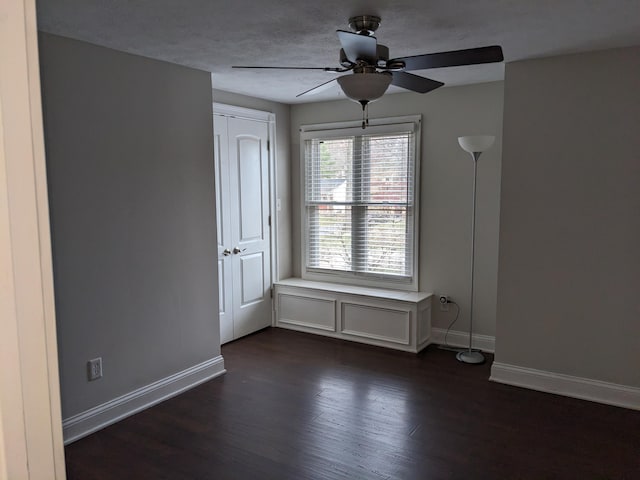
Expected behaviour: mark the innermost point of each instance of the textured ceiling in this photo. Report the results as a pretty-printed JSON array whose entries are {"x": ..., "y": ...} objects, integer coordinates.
[{"x": 212, "y": 35}]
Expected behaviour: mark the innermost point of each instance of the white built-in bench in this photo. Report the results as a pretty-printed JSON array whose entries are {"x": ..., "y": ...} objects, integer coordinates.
[{"x": 388, "y": 318}]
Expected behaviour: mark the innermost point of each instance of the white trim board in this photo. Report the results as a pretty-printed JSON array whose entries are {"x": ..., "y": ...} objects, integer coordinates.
[
  {"x": 456, "y": 338},
  {"x": 568, "y": 385},
  {"x": 242, "y": 112},
  {"x": 96, "y": 418}
]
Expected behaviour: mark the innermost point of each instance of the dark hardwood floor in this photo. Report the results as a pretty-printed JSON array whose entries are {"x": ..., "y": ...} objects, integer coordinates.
[{"x": 298, "y": 406}]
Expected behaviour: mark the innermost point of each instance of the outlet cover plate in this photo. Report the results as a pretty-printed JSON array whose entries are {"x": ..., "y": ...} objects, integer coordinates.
[
  {"x": 94, "y": 369},
  {"x": 444, "y": 307}
]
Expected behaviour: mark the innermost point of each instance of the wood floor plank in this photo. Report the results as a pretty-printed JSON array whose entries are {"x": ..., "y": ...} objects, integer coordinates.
[{"x": 299, "y": 406}]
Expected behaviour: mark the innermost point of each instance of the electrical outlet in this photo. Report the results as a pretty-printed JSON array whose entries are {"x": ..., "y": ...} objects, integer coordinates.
[
  {"x": 94, "y": 369},
  {"x": 444, "y": 303}
]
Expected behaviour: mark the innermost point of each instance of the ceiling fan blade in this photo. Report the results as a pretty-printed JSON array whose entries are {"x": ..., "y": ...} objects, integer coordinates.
[
  {"x": 318, "y": 88},
  {"x": 324, "y": 69},
  {"x": 454, "y": 58},
  {"x": 358, "y": 47},
  {"x": 414, "y": 82}
]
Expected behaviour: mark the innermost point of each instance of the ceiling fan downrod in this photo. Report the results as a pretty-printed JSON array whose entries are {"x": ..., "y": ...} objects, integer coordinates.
[{"x": 364, "y": 24}]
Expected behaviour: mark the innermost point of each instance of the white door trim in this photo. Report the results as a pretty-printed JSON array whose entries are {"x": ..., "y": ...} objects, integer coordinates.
[
  {"x": 242, "y": 112},
  {"x": 226, "y": 110},
  {"x": 30, "y": 417}
]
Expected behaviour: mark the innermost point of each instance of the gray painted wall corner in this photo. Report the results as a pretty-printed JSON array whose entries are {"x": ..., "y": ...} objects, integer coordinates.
[
  {"x": 130, "y": 172},
  {"x": 569, "y": 266}
]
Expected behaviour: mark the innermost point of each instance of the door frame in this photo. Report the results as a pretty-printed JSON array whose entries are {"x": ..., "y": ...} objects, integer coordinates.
[
  {"x": 226, "y": 110},
  {"x": 31, "y": 445}
]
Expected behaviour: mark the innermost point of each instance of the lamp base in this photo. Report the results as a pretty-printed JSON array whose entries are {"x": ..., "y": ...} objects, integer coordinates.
[{"x": 470, "y": 357}]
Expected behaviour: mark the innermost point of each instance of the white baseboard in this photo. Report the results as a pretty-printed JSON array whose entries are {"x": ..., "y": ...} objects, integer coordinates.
[
  {"x": 570, "y": 386},
  {"x": 456, "y": 338},
  {"x": 140, "y": 399}
]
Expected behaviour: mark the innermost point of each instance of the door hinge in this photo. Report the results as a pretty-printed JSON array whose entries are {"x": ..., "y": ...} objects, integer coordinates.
[
  {"x": 268, "y": 145},
  {"x": 271, "y": 292},
  {"x": 269, "y": 220}
]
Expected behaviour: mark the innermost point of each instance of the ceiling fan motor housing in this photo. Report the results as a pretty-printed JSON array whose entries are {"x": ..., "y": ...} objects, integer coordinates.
[{"x": 381, "y": 61}]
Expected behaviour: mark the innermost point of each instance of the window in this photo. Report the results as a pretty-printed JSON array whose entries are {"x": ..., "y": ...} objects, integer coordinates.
[{"x": 360, "y": 203}]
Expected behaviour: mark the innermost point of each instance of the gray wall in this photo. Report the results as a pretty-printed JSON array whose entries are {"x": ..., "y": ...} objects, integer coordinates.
[
  {"x": 130, "y": 166},
  {"x": 283, "y": 167},
  {"x": 446, "y": 186},
  {"x": 569, "y": 274}
]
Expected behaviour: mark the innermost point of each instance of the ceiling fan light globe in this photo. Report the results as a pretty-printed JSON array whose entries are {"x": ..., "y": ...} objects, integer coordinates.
[{"x": 365, "y": 86}]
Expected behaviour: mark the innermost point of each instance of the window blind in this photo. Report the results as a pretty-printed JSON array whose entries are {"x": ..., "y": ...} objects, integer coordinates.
[{"x": 359, "y": 200}]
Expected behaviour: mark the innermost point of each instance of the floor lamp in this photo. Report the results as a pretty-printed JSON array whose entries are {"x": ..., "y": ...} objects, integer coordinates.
[{"x": 475, "y": 145}]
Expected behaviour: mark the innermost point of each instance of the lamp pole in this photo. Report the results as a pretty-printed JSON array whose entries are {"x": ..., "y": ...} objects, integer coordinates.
[
  {"x": 469, "y": 356},
  {"x": 475, "y": 145}
]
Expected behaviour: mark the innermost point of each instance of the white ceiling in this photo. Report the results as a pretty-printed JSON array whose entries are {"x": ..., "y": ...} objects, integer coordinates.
[{"x": 212, "y": 35}]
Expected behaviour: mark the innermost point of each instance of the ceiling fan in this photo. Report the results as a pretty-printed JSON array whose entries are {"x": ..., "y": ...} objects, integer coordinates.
[{"x": 372, "y": 71}]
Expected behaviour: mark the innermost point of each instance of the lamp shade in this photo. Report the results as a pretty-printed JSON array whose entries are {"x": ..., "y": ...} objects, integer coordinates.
[
  {"x": 476, "y": 143},
  {"x": 365, "y": 87}
]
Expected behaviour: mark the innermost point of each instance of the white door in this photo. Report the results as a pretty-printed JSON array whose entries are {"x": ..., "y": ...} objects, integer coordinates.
[{"x": 244, "y": 249}]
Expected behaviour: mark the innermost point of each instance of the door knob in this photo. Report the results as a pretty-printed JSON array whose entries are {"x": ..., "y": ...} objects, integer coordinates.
[
  {"x": 236, "y": 250},
  {"x": 226, "y": 252}
]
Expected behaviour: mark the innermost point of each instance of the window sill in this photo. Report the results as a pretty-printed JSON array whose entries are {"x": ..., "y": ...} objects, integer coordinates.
[{"x": 385, "y": 293}]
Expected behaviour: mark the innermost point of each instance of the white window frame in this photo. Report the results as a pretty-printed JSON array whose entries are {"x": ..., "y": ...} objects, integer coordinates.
[{"x": 379, "y": 125}]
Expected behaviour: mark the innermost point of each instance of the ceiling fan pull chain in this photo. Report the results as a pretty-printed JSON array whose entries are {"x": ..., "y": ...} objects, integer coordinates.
[{"x": 365, "y": 113}]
